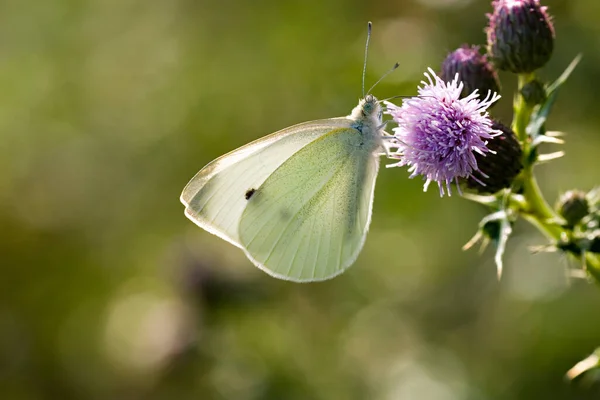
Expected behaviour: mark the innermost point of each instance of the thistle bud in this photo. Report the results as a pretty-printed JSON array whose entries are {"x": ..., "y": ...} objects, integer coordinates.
[
  {"x": 474, "y": 71},
  {"x": 497, "y": 169},
  {"x": 573, "y": 207},
  {"x": 533, "y": 93},
  {"x": 520, "y": 35}
]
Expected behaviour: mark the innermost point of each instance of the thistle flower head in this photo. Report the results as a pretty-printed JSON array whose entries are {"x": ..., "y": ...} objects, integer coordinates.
[
  {"x": 520, "y": 35},
  {"x": 438, "y": 133},
  {"x": 473, "y": 69}
]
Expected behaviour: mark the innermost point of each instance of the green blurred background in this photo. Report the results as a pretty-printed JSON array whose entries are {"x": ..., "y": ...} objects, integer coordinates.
[{"x": 109, "y": 107}]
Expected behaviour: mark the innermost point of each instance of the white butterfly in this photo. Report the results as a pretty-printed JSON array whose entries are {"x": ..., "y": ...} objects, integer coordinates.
[{"x": 297, "y": 202}]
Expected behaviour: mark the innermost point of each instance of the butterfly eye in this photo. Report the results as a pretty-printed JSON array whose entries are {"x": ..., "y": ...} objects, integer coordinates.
[{"x": 370, "y": 105}]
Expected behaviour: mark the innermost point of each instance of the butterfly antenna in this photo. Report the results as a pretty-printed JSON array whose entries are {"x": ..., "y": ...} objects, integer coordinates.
[
  {"x": 399, "y": 96},
  {"x": 403, "y": 96},
  {"x": 369, "y": 27},
  {"x": 383, "y": 76}
]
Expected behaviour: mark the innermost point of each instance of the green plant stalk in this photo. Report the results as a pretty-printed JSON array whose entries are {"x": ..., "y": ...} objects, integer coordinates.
[
  {"x": 536, "y": 209},
  {"x": 522, "y": 112}
]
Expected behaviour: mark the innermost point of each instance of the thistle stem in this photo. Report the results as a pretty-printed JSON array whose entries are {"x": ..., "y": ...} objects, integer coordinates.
[
  {"x": 522, "y": 111},
  {"x": 536, "y": 209}
]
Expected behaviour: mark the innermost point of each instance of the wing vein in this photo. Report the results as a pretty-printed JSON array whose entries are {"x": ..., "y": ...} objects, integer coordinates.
[
  {"x": 318, "y": 250},
  {"x": 309, "y": 243}
]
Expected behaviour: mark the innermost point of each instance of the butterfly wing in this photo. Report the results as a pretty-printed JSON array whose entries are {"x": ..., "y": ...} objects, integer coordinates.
[
  {"x": 309, "y": 219},
  {"x": 216, "y": 197}
]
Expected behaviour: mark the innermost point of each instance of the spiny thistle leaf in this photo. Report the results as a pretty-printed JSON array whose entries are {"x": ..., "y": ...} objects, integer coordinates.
[
  {"x": 540, "y": 114},
  {"x": 495, "y": 227}
]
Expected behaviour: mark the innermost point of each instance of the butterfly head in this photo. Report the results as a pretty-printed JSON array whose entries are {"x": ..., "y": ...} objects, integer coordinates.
[{"x": 368, "y": 108}]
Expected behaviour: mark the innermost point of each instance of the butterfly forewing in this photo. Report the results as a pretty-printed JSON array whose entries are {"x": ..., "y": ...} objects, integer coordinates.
[
  {"x": 309, "y": 219},
  {"x": 216, "y": 197}
]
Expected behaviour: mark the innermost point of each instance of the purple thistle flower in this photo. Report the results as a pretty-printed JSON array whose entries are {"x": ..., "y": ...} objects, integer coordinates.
[{"x": 439, "y": 133}]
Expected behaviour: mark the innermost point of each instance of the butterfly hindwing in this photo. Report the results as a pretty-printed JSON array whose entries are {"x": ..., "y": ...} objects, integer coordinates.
[{"x": 308, "y": 220}]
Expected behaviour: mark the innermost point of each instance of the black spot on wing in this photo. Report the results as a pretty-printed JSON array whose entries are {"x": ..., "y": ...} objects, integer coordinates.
[{"x": 249, "y": 193}]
